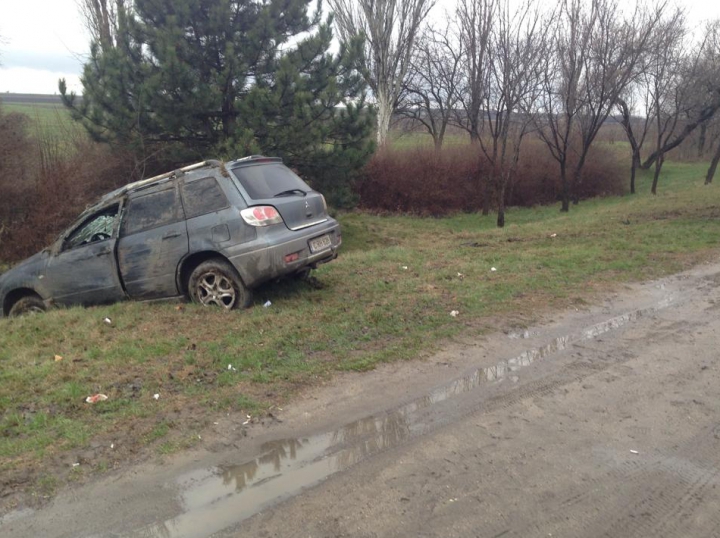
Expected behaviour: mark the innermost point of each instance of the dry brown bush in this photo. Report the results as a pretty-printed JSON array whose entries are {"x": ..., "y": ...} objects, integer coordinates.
[
  {"x": 47, "y": 178},
  {"x": 423, "y": 182}
]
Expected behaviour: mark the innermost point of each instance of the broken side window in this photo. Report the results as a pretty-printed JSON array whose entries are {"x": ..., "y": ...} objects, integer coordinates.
[
  {"x": 98, "y": 227},
  {"x": 203, "y": 196}
]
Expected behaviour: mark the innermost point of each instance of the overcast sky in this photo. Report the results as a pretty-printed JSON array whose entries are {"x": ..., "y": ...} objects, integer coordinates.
[{"x": 44, "y": 40}]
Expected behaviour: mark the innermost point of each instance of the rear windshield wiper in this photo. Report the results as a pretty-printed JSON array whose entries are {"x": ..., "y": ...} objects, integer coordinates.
[{"x": 291, "y": 191}]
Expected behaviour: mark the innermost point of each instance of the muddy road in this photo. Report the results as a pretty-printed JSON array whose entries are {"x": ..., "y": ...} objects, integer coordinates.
[{"x": 603, "y": 422}]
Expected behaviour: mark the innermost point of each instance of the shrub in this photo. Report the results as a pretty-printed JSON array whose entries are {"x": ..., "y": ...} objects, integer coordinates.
[
  {"x": 423, "y": 182},
  {"x": 46, "y": 179}
]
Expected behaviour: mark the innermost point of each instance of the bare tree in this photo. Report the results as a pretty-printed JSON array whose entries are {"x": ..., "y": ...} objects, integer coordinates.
[
  {"x": 711, "y": 62},
  {"x": 101, "y": 18},
  {"x": 617, "y": 47},
  {"x": 389, "y": 29},
  {"x": 669, "y": 75},
  {"x": 517, "y": 48},
  {"x": 701, "y": 91},
  {"x": 638, "y": 134},
  {"x": 597, "y": 51},
  {"x": 560, "y": 101},
  {"x": 666, "y": 42},
  {"x": 475, "y": 23},
  {"x": 430, "y": 93}
]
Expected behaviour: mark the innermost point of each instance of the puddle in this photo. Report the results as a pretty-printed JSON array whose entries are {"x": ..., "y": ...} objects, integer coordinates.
[
  {"x": 524, "y": 335},
  {"x": 218, "y": 498}
]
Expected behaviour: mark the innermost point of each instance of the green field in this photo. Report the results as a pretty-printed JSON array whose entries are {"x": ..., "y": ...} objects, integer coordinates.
[
  {"x": 45, "y": 118},
  {"x": 387, "y": 298}
]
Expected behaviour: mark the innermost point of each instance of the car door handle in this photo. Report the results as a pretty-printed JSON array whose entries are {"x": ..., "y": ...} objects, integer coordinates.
[
  {"x": 171, "y": 235},
  {"x": 103, "y": 253}
]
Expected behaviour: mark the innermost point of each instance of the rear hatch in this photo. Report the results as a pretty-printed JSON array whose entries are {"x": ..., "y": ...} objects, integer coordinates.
[{"x": 273, "y": 183}]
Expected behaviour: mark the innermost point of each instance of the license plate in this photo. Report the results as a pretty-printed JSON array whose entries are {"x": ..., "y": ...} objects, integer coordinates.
[{"x": 320, "y": 243}]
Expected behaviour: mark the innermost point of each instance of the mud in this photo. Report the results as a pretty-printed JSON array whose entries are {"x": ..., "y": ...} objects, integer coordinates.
[{"x": 342, "y": 470}]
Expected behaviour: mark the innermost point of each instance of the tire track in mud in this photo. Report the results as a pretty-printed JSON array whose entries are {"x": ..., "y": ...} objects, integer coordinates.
[
  {"x": 682, "y": 480},
  {"x": 660, "y": 509},
  {"x": 567, "y": 368}
]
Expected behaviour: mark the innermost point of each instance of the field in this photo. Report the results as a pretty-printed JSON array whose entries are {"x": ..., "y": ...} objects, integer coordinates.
[
  {"x": 387, "y": 298},
  {"x": 44, "y": 116}
]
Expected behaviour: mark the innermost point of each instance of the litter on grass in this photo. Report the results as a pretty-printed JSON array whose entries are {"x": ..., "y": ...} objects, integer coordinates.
[
  {"x": 95, "y": 398},
  {"x": 267, "y": 304},
  {"x": 454, "y": 313},
  {"x": 156, "y": 396},
  {"x": 493, "y": 269},
  {"x": 58, "y": 358},
  {"x": 108, "y": 321}
]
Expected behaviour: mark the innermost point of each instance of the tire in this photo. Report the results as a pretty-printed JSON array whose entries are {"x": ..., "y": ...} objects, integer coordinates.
[
  {"x": 30, "y": 304},
  {"x": 216, "y": 283}
]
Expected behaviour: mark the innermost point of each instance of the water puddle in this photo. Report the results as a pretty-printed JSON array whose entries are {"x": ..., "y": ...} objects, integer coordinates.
[{"x": 217, "y": 498}]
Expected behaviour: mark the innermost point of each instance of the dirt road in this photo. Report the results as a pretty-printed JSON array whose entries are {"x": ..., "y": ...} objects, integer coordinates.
[{"x": 604, "y": 422}]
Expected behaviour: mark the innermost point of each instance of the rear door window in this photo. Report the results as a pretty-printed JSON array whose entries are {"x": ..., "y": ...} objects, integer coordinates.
[
  {"x": 263, "y": 181},
  {"x": 203, "y": 196},
  {"x": 152, "y": 210}
]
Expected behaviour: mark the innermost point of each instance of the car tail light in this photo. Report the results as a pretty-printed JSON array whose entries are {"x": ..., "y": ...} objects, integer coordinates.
[
  {"x": 261, "y": 215},
  {"x": 324, "y": 203}
]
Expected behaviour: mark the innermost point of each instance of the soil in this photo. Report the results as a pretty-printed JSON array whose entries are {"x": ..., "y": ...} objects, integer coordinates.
[{"x": 601, "y": 421}]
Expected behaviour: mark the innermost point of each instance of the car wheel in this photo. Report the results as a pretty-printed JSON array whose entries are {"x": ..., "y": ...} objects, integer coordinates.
[
  {"x": 30, "y": 304},
  {"x": 217, "y": 283}
]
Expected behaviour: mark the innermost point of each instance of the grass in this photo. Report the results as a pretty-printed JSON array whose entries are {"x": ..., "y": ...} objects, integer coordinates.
[
  {"x": 387, "y": 298},
  {"x": 47, "y": 119}
]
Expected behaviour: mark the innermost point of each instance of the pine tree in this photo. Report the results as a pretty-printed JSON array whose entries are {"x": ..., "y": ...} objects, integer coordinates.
[{"x": 189, "y": 79}]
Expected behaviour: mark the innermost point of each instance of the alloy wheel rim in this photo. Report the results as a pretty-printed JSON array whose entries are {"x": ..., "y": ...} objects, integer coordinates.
[{"x": 216, "y": 289}]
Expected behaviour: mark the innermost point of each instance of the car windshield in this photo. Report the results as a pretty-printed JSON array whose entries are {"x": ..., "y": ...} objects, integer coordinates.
[{"x": 262, "y": 181}]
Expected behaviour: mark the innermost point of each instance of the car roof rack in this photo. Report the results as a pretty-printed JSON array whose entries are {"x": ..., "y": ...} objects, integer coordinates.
[
  {"x": 251, "y": 159},
  {"x": 136, "y": 185}
]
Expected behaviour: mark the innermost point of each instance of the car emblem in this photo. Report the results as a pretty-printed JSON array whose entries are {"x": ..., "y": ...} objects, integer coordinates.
[{"x": 307, "y": 204}]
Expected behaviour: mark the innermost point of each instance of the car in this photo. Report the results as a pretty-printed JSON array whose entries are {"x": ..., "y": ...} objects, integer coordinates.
[{"x": 211, "y": 232}]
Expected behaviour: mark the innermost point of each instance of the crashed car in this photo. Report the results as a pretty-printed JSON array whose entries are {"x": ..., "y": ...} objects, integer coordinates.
[{"x": 211, "y": 232}]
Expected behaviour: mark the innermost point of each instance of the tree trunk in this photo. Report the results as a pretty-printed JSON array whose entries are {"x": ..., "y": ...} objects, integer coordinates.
[
  {"x": 438, "y": 141},
  {"x": 633, "y": 170},
  {"x": 702, "y": 139},
  {"x": 577, "y": 180},
  {"x": 658, "y": 166},
  {"x": 486, "y": 194},
  {"x": 384, "y": 114},
  {"x": 565, "y": 190},
  {"x": 713, "y": 166},
  {"x": 501, "y": 202}
]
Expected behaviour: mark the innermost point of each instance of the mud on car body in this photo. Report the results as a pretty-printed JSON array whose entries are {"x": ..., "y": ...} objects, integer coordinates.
[{"x": 211, "y": 231}]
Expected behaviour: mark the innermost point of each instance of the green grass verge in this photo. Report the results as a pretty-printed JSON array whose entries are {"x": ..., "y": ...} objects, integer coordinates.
[{"x": 387, "y": 298}]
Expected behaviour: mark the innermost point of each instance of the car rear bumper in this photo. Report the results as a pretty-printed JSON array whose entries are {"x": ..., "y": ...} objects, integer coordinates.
[{"x": 271, "y": 261}]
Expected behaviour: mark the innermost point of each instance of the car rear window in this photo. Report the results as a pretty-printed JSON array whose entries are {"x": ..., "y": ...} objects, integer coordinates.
[
  {"x": 267, "y": 180},
  {"x": 151, "y": 210},
  {"x": 203, "y": 196}
]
